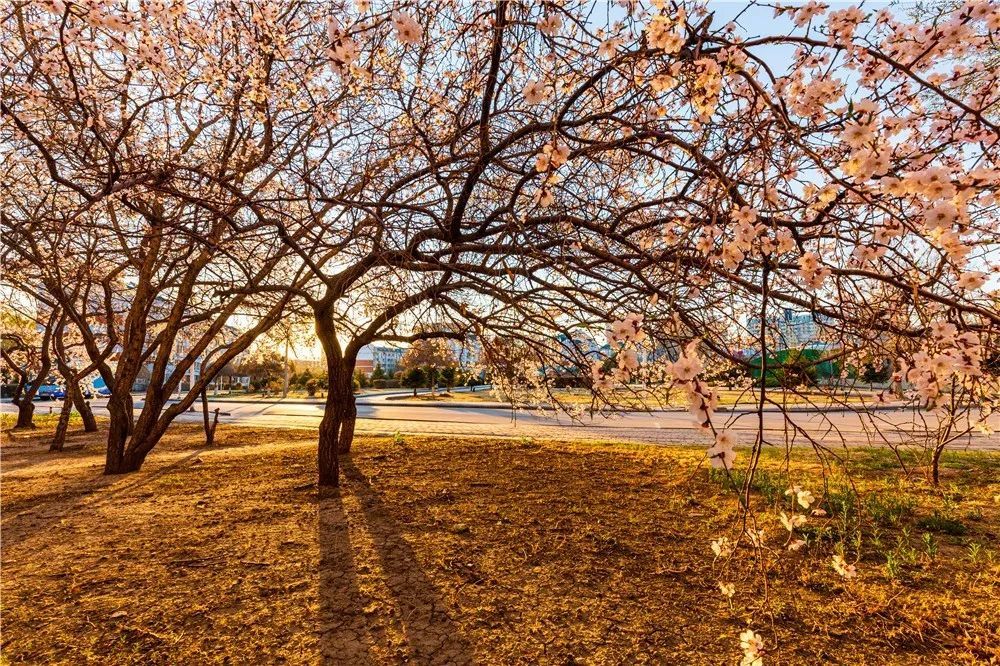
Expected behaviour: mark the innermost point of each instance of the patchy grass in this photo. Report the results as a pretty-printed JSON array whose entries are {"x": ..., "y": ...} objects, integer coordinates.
[
  {"x": 43, "y": 420},
  {"x": 451, "y": 550}
]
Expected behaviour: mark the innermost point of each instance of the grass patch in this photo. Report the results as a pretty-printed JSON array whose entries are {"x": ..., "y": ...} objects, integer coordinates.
[
  {"x": 42, "y": 419},
  {"x": 942, "y": 524},
  {"x": 771, "y": 485}
]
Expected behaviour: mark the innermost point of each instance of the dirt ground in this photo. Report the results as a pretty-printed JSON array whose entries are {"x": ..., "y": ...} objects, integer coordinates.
[{"x": 460, "y": 551}]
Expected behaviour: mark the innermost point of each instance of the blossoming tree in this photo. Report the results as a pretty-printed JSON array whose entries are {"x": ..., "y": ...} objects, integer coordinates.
[{"x": 537, "y": 174}]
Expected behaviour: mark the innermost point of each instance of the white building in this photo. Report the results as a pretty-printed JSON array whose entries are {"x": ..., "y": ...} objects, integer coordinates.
[
  {"x": 790, "y": 329},
  {"x": 386, "y": 357}
]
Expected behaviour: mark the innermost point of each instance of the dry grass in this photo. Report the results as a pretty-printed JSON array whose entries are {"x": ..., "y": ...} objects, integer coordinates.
[{"x": 470, "y": 551}]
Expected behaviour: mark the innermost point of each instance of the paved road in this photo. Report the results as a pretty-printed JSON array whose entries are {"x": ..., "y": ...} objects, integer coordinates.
[{"x": 378, "y": 415}]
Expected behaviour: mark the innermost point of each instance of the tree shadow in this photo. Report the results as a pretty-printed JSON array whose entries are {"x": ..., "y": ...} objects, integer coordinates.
[
  {"x": 344, "y": 631},
  {"x": 430, "y": 635}
]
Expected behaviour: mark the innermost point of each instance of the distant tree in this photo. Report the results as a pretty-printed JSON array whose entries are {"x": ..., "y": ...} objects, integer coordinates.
[
  {"x": 27, "y": 356},
  {"x": 414, "y": 379},
  {"x": 360, "y": 379},
  {"x": 876, "y": 371},
  {"x": 73, "y": 366},
  {"x": 433, "y": 355},
  {"x": 264, "y": 368},
  {"x": 448, "y": 376},
  {"x": 378, "y": 373},
  {"x": 429, "y": 353}
]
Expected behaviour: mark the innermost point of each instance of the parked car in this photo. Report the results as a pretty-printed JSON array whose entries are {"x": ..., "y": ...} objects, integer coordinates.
[
  {"x": 48, "y": 392},
  {"x": 60, "y": 394},
  {"x": 87, "y": 393},
  {"x": 104, "y": 391}
]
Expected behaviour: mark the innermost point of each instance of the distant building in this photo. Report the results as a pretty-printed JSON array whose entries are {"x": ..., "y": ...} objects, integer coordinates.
[
  {"x": 384, "y": 356},
  {"x": 467, "y": 352},
  {"x": 792, "y": 330}
]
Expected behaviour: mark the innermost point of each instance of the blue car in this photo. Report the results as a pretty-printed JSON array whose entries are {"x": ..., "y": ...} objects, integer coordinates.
[
  {"x": 104, "y": 391},
  {"x": 49, "y": 392}
]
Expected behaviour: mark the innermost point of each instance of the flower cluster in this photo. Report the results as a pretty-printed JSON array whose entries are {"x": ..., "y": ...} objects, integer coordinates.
[
  {"x": 408, "y": 30},
  {"x": 721, "y": 454},
  {"x": 547, "y": 161},
  {"x": 706, "y": 87},
  {"x": 535, "y": 92},
  {"x": 753, "y": 648},
  {"x": 948, "y": 354},
  {"x": 792, "y": 521},
  {"x": 624, "y": 337},
  {"x": 722, "y": 547},
  {"x": 664, "y": 32},
  {"x": 627, "y": 331},
  {"x": 550, "y": 25},
  {"x": 342, "y": 51},
  {"x": 812, "y": 272},
  {"x": 552, "y": 156},
  {"x": 844, "y": 569}
]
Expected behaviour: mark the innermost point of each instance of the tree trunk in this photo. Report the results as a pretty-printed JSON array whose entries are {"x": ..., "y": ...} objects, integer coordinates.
[
  {"x": 82, "y": 406},
  {"x": 130, "y": 462},
  {"x": 129, "y": 455},
  {"x": 936, "y": 464},
  {"x": 329, "y": 461},
  {"x": 26, "y": 412},
  {"x": 347, "y": 420},
  {"x": 209, "y": 425},
  {"x": 336, "y": 430},
  {"x": 119, "y": 430},
  {"x": 59, "y": 438}
]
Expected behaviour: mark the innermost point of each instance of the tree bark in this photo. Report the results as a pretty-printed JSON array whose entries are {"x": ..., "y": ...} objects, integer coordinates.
[
  {"x": 59, "y": 438},
  {"x": 130, "y": 455},
  {"x": 26, "y": 400},
  {"x": 336, "y": 430},
  {"x": 328, "y": 458},
  {"x": 119, "y": 430},
  {"x": 347, "y": 420},
  {"x": 209, "y": 425},
  {"x": 25, "y": 412},
  {"x": 83, "y": 406},
  {"x": 72, "y": 380}
]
